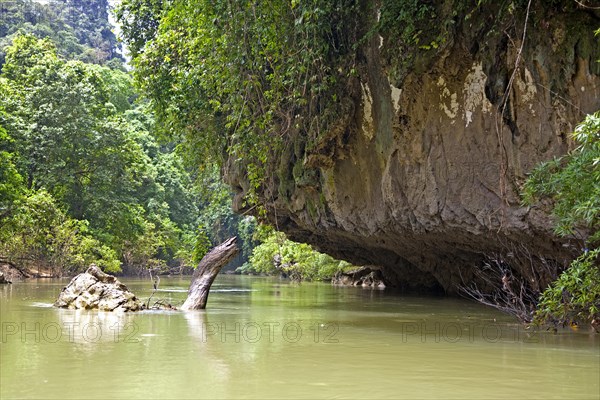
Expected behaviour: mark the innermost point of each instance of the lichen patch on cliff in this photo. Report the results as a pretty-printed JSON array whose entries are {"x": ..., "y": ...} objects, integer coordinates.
[
  {"x": 451, "y": 110},
  {"x": 395, "y": 93},
  {"x": 474, "y": 93},
  {"x": 527, "y": 89},
  {"x": 367, "y": 123}
]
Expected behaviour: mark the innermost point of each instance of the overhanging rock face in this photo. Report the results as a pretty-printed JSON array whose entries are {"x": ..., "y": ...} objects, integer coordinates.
[{"x": 423, "y": 178}]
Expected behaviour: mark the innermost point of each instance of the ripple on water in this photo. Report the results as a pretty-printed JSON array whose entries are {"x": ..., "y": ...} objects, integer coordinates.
[
  {"x": 179, "y": 290},
  {"x": 41, "y": 305}
]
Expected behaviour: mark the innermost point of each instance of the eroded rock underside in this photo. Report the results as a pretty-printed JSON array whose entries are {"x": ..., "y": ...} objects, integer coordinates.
[{"x": 422, "y": 175}]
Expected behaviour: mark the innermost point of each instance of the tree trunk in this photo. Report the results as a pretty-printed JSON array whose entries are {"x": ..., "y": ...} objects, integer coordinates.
[
  {"x": 207, "y": 271},
  {"x": 13, "y": 271}
]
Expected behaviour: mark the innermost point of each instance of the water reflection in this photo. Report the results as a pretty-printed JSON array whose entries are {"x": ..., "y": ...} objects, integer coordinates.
[
  {"x": 92, "y": 327},
  {"x": 200, "y": 329},
  {"x": 6, "y": 291}
]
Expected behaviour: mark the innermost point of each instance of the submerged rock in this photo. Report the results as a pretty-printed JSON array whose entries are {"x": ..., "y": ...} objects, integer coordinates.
[{"x": 96, "y": 290}]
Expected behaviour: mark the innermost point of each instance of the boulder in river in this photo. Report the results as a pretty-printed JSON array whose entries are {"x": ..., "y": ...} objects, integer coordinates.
[
  {"x": 367, "y": 276},
  {"x": 96, "y": 290},
  {"x": 3, "y": 279}
]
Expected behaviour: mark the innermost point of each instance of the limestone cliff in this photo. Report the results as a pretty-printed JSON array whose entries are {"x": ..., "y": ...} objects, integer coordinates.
[{"x": 422, "y": 174}]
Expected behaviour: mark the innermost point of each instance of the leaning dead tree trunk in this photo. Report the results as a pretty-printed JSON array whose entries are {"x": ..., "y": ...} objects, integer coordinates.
[{"x": 207, "y": 271}]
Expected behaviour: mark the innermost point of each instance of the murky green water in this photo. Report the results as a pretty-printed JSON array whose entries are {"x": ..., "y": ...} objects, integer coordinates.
[{"x": 262, "y": 338}]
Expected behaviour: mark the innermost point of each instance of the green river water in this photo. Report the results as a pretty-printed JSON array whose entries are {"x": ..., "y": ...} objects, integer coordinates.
[{"x": 266, "y": 338}]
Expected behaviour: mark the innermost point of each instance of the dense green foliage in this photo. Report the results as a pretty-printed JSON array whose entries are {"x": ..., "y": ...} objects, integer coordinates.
[
  {"x": 11, "y": 182},
  {"x": 39, "y": 232},
  {"x": 278, "y": 255},
  {"x": 572, "y": 183},
  {"x": 239, "y": 79},
  {"x": 79, "y": 28},
  {"x": 79, "y": 149},
  {"x": 83, "y": 175},
  {"x": 575, "y": 296}
]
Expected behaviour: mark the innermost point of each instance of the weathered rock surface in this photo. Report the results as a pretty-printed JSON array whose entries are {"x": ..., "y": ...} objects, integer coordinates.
[
  {"x": 422, "y": 177},
  {"x": 364, "y": 276},
  {"x": 96, "y": 290}
]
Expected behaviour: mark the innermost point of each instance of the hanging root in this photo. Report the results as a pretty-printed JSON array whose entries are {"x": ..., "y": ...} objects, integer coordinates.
[{"x": 502, "y": 286}]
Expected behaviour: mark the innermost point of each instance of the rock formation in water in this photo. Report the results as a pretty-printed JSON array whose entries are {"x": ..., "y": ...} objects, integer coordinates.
[
  {"x": 366, "y": 276},
  {"x": 3, "y": 279},
  {"x": 422, "y": 174},
  {"x": 96, "y": 290}
]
